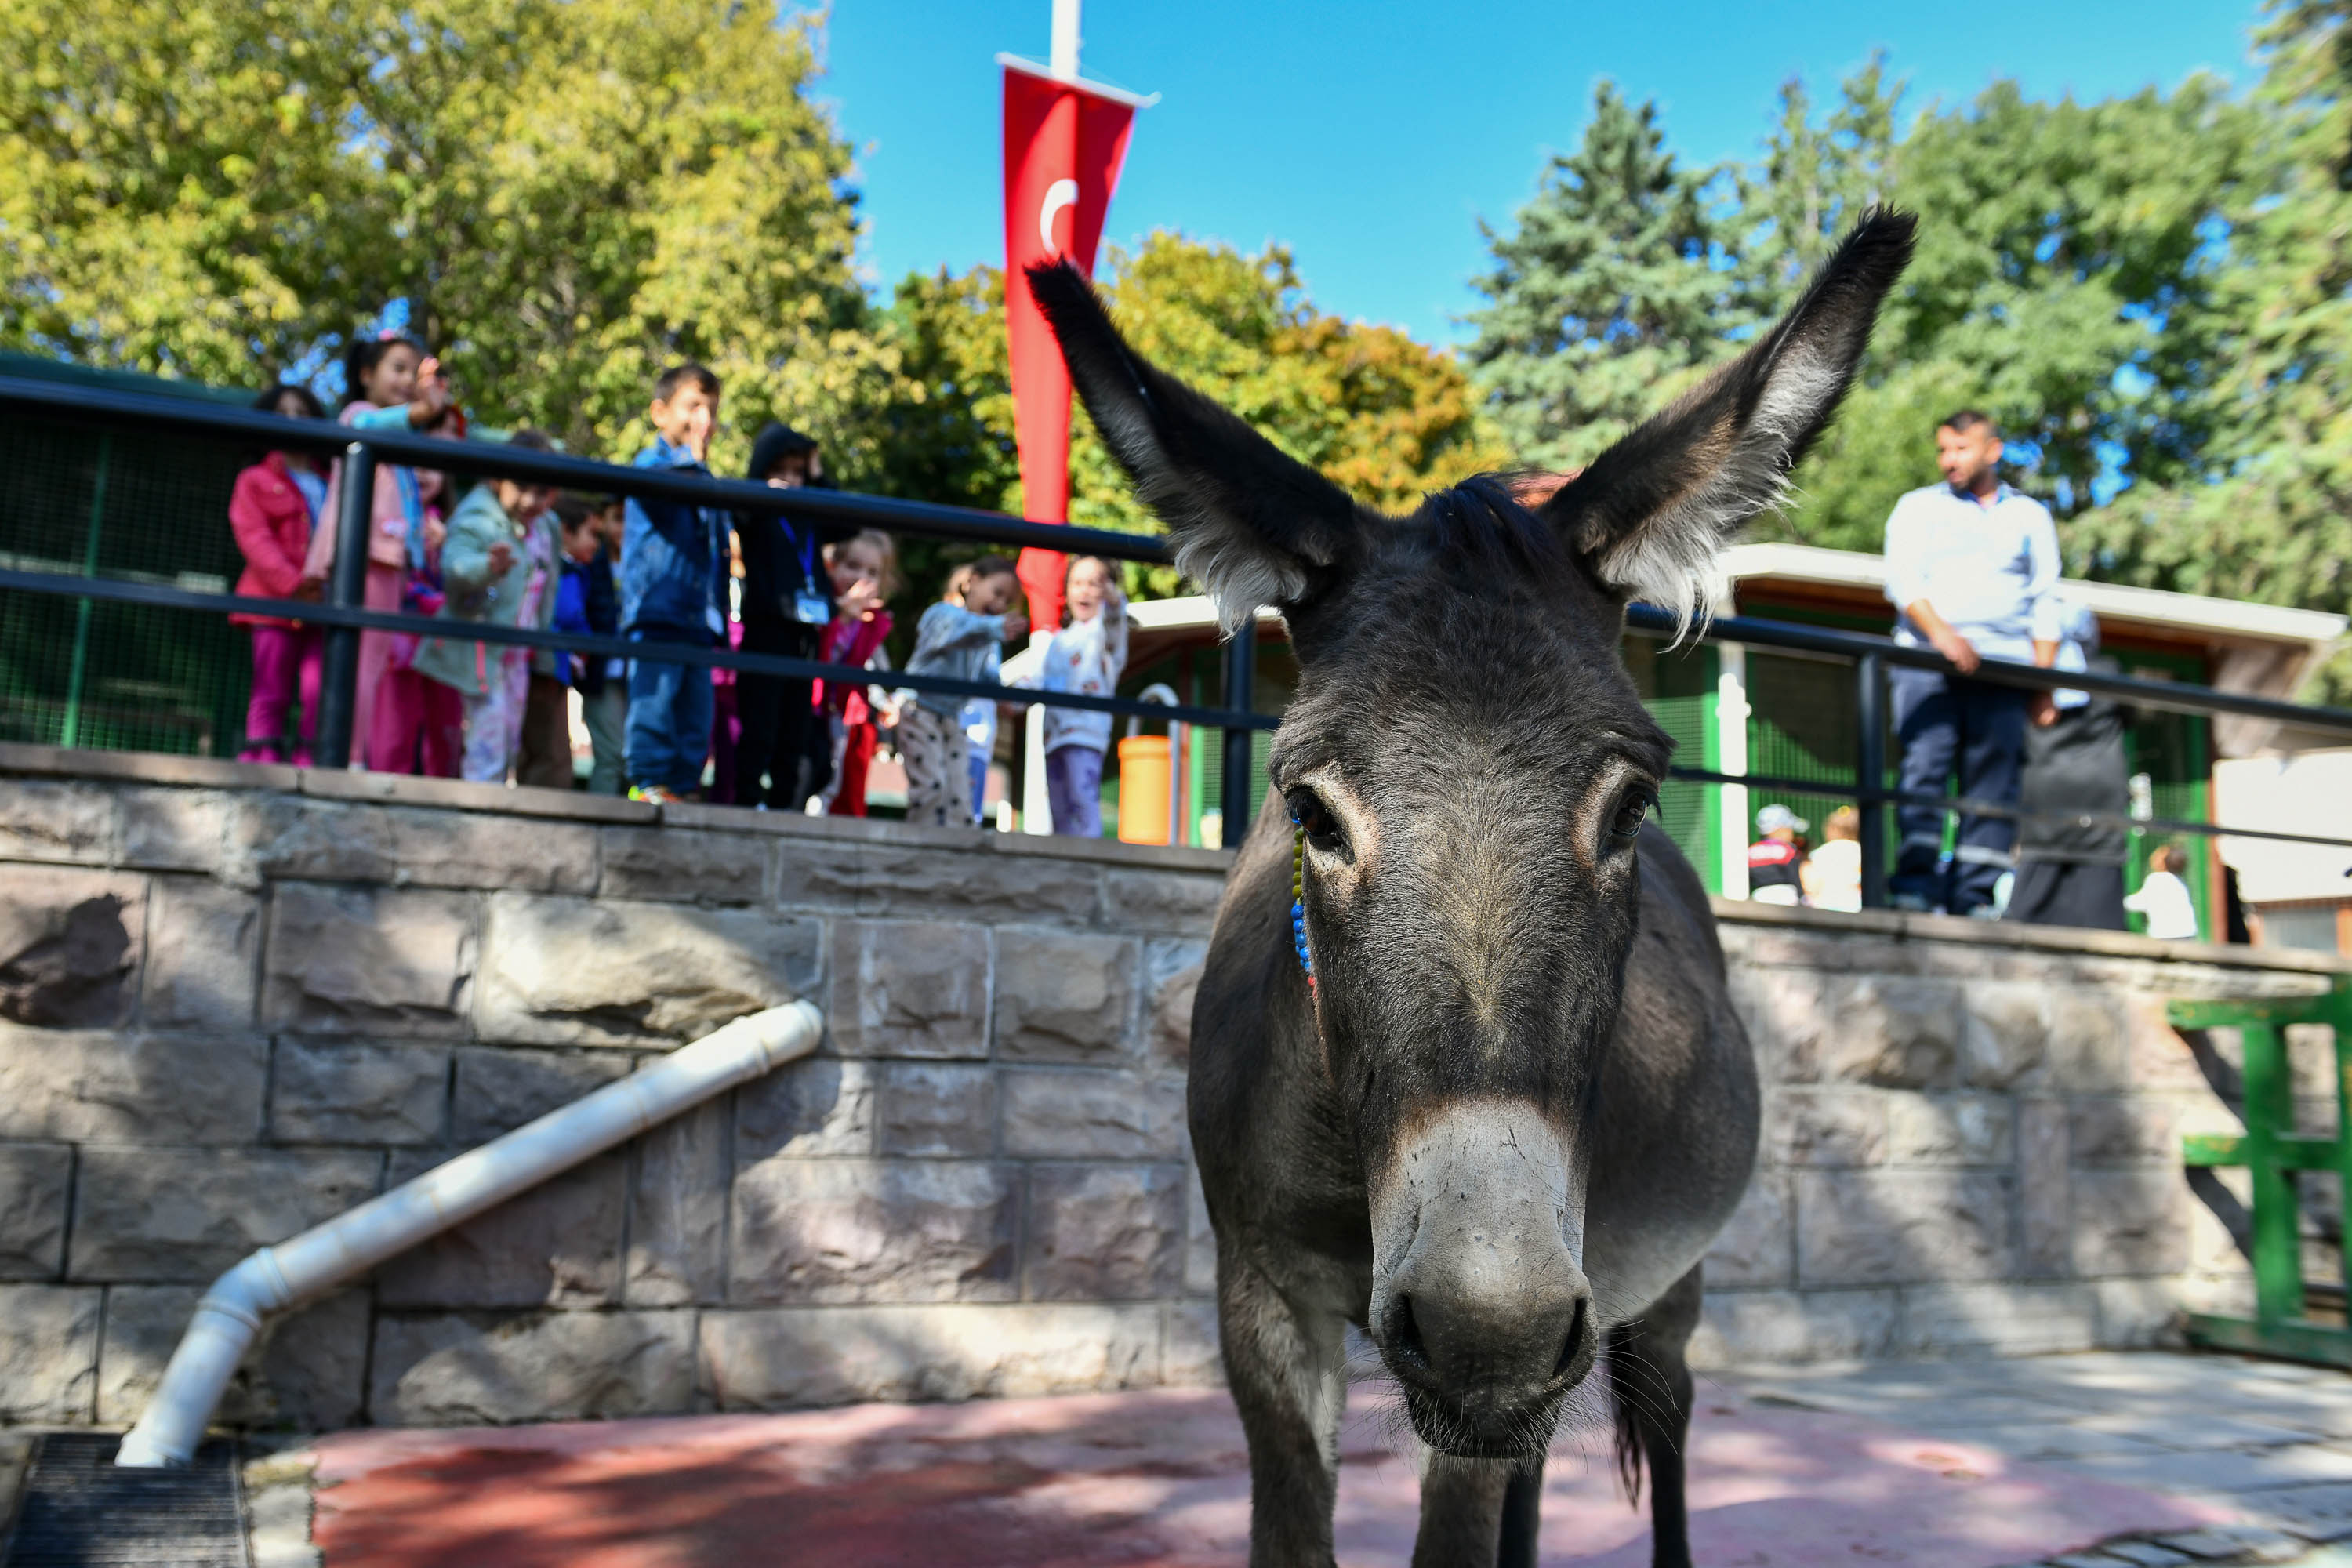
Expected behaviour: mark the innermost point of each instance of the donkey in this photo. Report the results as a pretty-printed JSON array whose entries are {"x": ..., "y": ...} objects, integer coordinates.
[{"x": 1466, "y": 1072}]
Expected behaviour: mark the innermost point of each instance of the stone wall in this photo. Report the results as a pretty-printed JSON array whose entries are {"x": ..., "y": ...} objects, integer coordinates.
[{"x": 234, "y": 1000}]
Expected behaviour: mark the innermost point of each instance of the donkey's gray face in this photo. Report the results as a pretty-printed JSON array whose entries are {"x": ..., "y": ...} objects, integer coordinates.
[{"x": 1470, "y": 769}]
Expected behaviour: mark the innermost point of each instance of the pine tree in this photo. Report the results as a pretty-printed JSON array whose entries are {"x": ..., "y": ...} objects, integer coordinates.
[{"x": 1605, "y": 292}]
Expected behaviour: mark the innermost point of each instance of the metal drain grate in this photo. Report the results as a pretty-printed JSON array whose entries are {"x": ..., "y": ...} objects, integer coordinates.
[{"x": 79, "y": 1512}]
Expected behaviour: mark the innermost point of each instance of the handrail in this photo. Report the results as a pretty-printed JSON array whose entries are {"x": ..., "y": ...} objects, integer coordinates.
[{"x": 345, "y": 616}]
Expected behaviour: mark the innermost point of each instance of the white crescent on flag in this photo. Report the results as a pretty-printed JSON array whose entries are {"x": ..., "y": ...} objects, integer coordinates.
[{"x": 1059, "y": 194}]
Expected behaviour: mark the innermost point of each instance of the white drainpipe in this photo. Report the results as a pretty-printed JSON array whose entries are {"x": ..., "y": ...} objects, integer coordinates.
[{"x": 309, "y": 1265}]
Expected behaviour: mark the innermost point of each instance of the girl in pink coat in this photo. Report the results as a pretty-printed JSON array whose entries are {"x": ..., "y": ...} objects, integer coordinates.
[{"x": 273, "y": 511}]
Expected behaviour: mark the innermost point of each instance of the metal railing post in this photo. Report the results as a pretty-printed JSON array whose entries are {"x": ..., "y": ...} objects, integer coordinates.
[
  {"x": 339, "y": 672},
  {"x": 1870, "y": 774},
  {"x": 1241, "y": 684}
]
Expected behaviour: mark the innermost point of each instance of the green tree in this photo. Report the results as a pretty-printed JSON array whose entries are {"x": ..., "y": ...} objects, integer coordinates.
[
  {"x": 567, "y": 194},
  {"x": 1605, "y": 292},
  {"x": 2262, "y": 515}
]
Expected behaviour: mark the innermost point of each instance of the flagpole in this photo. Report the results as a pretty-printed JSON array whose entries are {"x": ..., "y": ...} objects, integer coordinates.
[{"x": 1065, "y": 57}]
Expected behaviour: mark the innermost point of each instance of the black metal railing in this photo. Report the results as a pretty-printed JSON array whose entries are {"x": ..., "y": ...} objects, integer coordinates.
[{"x": 345, "y": 615}]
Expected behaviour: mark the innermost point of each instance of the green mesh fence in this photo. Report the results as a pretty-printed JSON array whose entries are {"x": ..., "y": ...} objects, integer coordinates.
[{"x": 128, "y": 505}]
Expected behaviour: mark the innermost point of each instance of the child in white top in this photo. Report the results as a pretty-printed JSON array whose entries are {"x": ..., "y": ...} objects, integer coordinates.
[
  {"x": 2164, "y": 897},
  {"x": 1087, "y": 655}
]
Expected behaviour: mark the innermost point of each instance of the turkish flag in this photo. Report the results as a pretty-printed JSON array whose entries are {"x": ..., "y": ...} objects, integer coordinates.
[{"x": 1063, "y": 148}]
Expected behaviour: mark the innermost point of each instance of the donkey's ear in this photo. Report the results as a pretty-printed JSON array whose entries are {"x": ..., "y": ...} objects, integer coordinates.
[
  {"x": 1250, "y": 525},
  {"x": 1649, "y": 513}
]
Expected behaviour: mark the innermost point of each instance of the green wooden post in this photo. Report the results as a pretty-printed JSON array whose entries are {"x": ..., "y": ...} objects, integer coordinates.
[
  {"x": 2271, "y": 1151},
  {"x": 70, "y": 733}
]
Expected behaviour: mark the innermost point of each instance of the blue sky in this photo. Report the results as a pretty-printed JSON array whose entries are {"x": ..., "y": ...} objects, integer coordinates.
[{"x": 1372, "y": 136}]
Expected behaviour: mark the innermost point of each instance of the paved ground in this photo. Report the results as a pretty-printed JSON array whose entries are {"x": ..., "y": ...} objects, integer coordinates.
[{"x": 2066, "y": 1460}]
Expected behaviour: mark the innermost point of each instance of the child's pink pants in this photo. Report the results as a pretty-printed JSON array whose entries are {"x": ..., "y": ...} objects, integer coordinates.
[{"x": 285, "y": 661}]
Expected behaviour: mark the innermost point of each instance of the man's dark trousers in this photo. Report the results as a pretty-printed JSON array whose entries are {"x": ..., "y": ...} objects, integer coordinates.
[{"x": 1946, "y": 725}]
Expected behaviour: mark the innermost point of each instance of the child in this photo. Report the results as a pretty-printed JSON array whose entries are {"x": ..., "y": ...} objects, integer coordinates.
[
  {"x": 1831, "y": 874},
  {"x": 272, "y": 511},
  {"x": 420, "y": 724},
  {"x": 499, "y": 568},
  {"x": 586, "y": 602},
  {"x": 1087, "y": 656},
  {"x": 863, "y": 571},
  {"x": 2164, "y": 897},
  {"x": 1775, "y": 860},
  {"x": 673, "y": 589},
  {"x": 787, "y": 605},
  {"x": 978, "y": 715},
  {"x": 543, "y": 753},
  {"x": 388, "y": 381},
  {"x": 959, "y": 640}
]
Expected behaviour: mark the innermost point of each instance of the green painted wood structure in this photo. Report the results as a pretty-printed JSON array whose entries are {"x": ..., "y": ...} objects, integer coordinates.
[{"x": 2272, "y": 1151}]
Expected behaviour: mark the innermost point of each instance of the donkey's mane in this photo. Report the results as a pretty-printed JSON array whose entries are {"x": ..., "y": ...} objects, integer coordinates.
[{"x": 1480, "y": 524}]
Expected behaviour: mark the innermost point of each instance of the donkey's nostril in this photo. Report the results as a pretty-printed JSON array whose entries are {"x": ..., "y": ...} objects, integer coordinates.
[
  {"x": 1407, "y": 1333},
  {"x": 1573, "y": 1346}
]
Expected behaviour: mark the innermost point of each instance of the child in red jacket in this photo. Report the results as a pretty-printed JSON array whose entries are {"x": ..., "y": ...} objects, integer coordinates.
[{"x": 272, "y": 509}]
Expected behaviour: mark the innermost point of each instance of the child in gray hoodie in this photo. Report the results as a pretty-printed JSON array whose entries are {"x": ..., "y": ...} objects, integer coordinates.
[{"x": 959, "y": 640}]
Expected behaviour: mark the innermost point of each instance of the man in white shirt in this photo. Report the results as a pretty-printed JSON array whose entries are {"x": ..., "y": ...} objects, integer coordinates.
[{"x": 1971, "y": 565}]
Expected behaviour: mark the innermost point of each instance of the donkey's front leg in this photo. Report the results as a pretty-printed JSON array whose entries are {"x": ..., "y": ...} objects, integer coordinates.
[
  {"x": 1287, "y": 1366},
  {"x": 1461, "y": 1511}
]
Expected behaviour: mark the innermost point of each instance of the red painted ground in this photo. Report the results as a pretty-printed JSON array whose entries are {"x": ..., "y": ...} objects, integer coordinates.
[{"x": 1157, "y": 1478}]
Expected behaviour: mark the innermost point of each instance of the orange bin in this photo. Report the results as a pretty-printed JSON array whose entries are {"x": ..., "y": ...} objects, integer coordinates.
[{"x": 1144, "y": 780}]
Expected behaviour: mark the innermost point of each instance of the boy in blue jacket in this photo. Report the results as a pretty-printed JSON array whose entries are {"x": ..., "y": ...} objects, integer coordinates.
[{"x": 673, "y": 589}]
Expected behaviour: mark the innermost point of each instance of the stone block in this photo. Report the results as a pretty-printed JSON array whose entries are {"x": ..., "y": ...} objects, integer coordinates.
[
  {"x": 910, "y": 988},
  {"x": 452, "y": 1370},
  {"x": 70, "y": 941},
  {"x": 369, "y": 960},
  {"x": 43, "y": 819},
  {"x": 2155, "y": 1057},
  {"x": 48, "y": 1352},
  {"x": 2085, "y": 1045},
  {"x": 131, "y": 1088},
  {"x": 496, "y": 1091},
  {"x": 574, "y": 972},
  {"x": 480, "y": 849},
  {"x": 2123, "y": 1130},
  {"x": 2004, "y": 1036},
  {"x": 308, "y": 1373},
  {"x": 172, "y": 829},
  {"x": 1826, "y": 1127},
  {"x": 204, "y": 944},
  {"x": 933, "y": 1110},
  {"x": 776, "y": 1360},
  {"x": 818, "y": 873},
  {"x": 1786, "y": 1012},
  {"x": 873, "y": 1230},
  {"x": 1171, "y": 976},
  {"x": 557, "y": 1245},
  {"x": 1888, "y": 1227},
  {"x": 920, "y": 881},
  {"x": 677, "y": 1211},
  {"x": 177, "y": 1214},
  {"x": 342, "y": 1091},
  {"x": 812, "y": 1109},
  {"x": 1176, "y": 903},
  {"x": 1745, "y": 1328},
  {"x": 35, "y": 1181},
  {"x": 2044, "y": 1193},
  {"x": 676, "y": 863},
  {"x": 1064, "y": 996},
  {"x": 1104, "y": 1233},
  {"x": 1756, "y": 1247},
  {"x": 1996, "y": 1319},
  {"x": 1951, "y": 1128},
  {"x": 1894, "y": 1031},
  {"x": 2139, "y": 1314},
  {"x": 1190, "y": 1354},
  {"x": 2131, "y": 1221},
  {"x": 1082, "y": 1113},
  {"x": 286, "y": 837}
]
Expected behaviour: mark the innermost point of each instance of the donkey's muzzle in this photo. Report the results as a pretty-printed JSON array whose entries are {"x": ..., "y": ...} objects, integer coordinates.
[{"x": 1480, "y": 1305}]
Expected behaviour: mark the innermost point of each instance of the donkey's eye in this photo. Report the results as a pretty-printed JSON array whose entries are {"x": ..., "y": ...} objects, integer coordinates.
[
  {"x": 1308, "y": 810},
  {"x": 1639, "y": 802}
]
